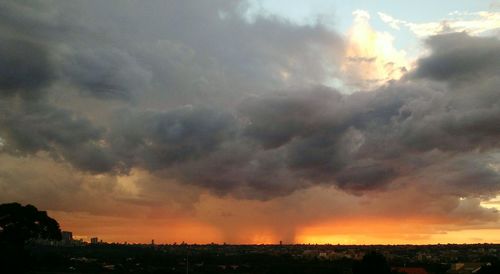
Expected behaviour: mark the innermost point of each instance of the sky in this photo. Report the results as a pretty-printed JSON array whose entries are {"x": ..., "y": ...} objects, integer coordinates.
[{"x": 342, "y": 122}]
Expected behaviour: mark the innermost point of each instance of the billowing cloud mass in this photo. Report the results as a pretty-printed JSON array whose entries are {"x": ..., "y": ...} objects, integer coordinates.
[
  {"x": 370, "y": 56},
  {"x": 188, "y": 115}
]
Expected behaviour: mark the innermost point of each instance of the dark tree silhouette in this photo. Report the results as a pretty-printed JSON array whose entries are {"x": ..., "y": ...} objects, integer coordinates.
[
  {"x": 18, "y": 225},
  {"x": 372, "y": 263},
  {"x": 21, "y": 223}
]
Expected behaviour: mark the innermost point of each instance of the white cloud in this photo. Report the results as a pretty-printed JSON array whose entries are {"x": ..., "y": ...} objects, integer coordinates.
[
  {"x": 474, "y": 23},
  {"x": 371, "y": 58}
]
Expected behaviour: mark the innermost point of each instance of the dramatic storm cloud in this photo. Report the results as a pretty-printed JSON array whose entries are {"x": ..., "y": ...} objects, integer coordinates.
[{"x": 194, "y": 106}]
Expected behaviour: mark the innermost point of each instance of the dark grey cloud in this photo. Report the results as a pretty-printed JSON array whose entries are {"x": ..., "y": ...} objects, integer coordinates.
[
  {"x": 32, "y": 127},
  {"x": 330, "y": 139},
  {"x": 37, "y": 20},
  {"x": 474, "y": 174},
  {"x": 365, "y": 176},
  {"x": 182, "y": 50},
  {"x": 194, "y": 92},
  {"x": 106, "y": 74},
  {"x": 276, "y": 120},
  {"x": 162, "y": 55},
  {"x": 25, "y": 68},
  {"x": 457, "y": 56},
  {"x": 156, "y": 140},
  {"x": 240, "y": 170}
]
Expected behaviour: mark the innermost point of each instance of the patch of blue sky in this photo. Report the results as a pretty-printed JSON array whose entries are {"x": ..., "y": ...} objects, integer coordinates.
[{"x": 338, "y": 14}]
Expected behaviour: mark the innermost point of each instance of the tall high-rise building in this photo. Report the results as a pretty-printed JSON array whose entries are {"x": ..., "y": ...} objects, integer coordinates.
[{"x": 94, "y": 240}]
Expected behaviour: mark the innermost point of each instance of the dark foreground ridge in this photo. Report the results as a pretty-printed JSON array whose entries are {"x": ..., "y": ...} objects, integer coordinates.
[{"x": 215, "y": 258}]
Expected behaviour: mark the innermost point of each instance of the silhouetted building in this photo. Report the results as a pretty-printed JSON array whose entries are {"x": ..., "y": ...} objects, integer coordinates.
[
  {"x": 67, "y": 237},
  {"x": 94, "y": 240}
]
